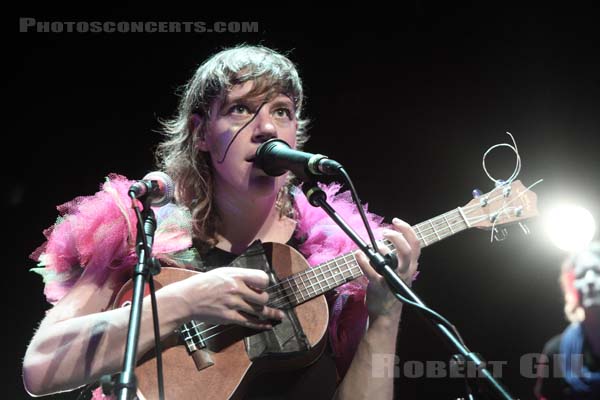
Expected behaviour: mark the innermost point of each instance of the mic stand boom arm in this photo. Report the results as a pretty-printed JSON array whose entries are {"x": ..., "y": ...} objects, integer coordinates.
[{"x": 317, "y": 198}]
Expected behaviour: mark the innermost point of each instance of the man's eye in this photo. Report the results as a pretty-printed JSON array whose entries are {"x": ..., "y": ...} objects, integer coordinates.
[
  {"x": 284, "y": 113},
  {"x": 238, "y": 109}
]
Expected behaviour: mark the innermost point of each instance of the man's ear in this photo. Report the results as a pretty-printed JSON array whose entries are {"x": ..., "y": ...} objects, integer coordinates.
[{"x": 196, "y": 122}]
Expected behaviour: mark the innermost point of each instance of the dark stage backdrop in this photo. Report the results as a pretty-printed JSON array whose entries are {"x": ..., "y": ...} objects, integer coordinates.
[{"x": 408, "y": 102}]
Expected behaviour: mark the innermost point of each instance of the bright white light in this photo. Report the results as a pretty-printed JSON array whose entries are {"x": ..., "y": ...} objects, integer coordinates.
[{"x": 570, "y": 227}]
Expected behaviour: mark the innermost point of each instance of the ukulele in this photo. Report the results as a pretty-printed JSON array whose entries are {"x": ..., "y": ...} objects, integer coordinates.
[{"x": 210, "y": 362}]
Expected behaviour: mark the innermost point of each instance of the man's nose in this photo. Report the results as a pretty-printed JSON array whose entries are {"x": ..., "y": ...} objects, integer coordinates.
[{"x": 264, "y": 127}]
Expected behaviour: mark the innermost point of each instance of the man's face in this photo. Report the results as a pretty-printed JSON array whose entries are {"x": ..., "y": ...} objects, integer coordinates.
[
  {"x": 238, "y": 125},
  {"x": 587, "y": 278}
]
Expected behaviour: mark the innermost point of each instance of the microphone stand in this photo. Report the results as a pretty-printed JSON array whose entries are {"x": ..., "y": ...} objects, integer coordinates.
[
  {"x": 144, "y": 269},
  {"x": 317, "y": 198}
]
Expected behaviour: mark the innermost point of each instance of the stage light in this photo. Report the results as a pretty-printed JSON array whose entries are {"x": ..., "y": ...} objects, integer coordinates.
[{"x": 570, "y": 227}]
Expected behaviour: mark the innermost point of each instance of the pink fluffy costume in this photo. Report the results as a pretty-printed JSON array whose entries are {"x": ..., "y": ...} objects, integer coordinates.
[{"x": 99, "y": 232}]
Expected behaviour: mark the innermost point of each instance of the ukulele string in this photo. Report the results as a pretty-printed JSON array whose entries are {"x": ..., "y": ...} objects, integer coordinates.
[
  {"x": 424, "y": 233},
  {"x": 277, "y": 302},
  {"x": 279, "y": 289},
  {"x": 308, "y": 283},
  {"x": 499, "y": 182},
  {"x": 513, "y": 176},
  {"x": 281, "y": 301},
  {"x": 454, "y": 221}
]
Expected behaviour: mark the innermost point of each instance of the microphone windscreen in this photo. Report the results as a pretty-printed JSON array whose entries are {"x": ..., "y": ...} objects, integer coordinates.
[{"x": 166, "y": 187}]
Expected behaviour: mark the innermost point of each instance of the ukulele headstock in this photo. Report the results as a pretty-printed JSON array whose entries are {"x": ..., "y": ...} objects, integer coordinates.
[{"x": 506, "y": 204}]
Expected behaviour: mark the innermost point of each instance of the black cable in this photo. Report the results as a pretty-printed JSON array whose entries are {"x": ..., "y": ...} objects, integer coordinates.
[
  {"x": 155, "y": 322},
  {"x": 443, "y": 323},
  {"x": 354, "y": 194},
  {"x": 432, "y": 314},
  {"x": 138, "y": 215},
  {"x": 157, "y": 344}
]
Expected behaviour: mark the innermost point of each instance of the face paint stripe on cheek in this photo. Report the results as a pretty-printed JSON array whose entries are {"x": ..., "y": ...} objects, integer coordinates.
[{"x": 222, "y": 142}]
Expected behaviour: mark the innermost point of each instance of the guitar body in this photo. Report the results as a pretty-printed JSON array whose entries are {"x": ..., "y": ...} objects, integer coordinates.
[{"x": 231, "y": 369}]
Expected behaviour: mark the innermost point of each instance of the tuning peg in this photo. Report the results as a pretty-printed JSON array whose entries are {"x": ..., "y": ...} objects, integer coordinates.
[
  {"x": 483, "y": 201},
  {"x": 525, "y": 228},
  {"x": 500, "y": 235},
  {"x": 477, "y": 194},
  {"x": 518, "y": 211}
]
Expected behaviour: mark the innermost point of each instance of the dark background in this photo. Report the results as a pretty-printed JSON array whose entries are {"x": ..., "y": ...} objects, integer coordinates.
[{"x": 407, "y": 100}]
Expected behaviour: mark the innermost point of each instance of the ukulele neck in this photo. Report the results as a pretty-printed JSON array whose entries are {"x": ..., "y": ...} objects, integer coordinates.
[{"x": 313, "y": 282}]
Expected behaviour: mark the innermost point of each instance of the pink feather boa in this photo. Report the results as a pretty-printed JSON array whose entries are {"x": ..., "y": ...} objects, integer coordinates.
[{"x": 98, "y": 232}]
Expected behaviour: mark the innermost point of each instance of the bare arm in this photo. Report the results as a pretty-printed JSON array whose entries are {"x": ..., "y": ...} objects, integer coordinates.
[
  {"x": 361, "y": 381},
  {"x": 79, "y": 341}
]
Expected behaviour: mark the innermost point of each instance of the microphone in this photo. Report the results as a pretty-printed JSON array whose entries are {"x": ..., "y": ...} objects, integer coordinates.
[
  {"x": 157, "y": 185},
  {"x": 275, "y": 157}
]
